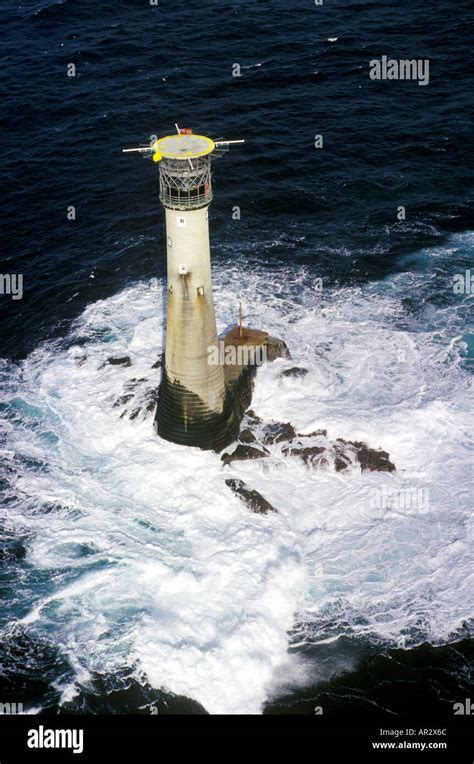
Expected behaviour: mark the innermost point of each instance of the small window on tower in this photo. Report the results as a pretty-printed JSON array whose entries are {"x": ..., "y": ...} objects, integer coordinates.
[
  {"x": 200, "y": 291},
  {"x": 181, "y": 222},
  {"x": 170, "y": 243}
]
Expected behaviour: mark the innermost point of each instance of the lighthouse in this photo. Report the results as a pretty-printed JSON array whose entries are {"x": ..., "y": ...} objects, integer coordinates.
[{"x": 195, "y": 406}]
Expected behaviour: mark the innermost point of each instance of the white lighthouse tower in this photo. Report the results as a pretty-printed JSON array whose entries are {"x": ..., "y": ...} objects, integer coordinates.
[{"x": 195, "y": 407}]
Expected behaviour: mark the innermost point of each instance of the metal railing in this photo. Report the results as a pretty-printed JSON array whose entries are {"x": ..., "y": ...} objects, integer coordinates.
[{"x": 185, "y": 200}]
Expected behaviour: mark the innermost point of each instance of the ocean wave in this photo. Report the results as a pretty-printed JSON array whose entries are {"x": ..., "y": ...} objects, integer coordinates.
[{"x": 138, "y": 556}]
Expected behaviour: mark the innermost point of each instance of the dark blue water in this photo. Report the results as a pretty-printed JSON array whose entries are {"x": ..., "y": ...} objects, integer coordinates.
[
  {"x": 331, "y": 212},
  {"x": 140, "y": 69}
]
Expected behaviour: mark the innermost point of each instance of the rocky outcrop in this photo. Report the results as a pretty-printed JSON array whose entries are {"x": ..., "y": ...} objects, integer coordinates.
[
  {"x": 295, "y": 372},
  {"x": 244, "y": 452},
  {"x": 341, "y": 454},
  {"x": 276, "y": 348},
  {"x": 247, "y": 436},
  {"x": 242, "y": 388},
  {"x": 139, "y": 398},
  {"x": 145, "y": 405},
  {"x": 276, "y": 432},
  {"x": 310, "y": 455},
  {"x": 253, "y": 499},
  {"x": 258, "y": 439},
  {"x": 370, "y": 458},
  {"x": 159, "y": 362},
  {"x": 123, "y": 360},
  {"x": 253, "y": 418}
]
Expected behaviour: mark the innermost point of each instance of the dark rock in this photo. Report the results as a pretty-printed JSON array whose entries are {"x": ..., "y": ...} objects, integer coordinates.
[
  {"x": 340, "y": 464},
  {"x": 243, "y": 452},
  {"x": 243, "y": 388},
  {"x": 344, "y": 455},
  {"x": 278, "y": 431},
  {"x": 123, "y": 400},
  {"x": 373, "y": 459},
  {"x": 276, "y": 348},
  {"x": 144, "y": 400},
  {"x": 309, "y": 454},
  {"x": 339, "y": 453},
  {"x": 342, "y": 452},
  {"x": 312, "y": 434},
  {"x": 253, "y": 499},
  {"x": 252, "y": 417},
  {"x": 247, "y": 436},
  {"x": 130, "y": 388},
  {"x": 145, "y": 403},
  {"x": 295, "y": 371},
  {"x": 159, "y": 363},
  {"x": 123, "y": 360}
]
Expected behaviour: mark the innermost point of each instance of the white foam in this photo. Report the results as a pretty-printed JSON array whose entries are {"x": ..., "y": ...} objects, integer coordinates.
[{"x": 155, "y": 564}]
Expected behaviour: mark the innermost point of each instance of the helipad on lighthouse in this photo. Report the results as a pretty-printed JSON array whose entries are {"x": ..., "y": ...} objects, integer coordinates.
[{"x": 183, "y": 146}]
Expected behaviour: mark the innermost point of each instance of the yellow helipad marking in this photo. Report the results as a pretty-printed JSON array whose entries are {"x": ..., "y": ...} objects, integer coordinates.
[{"x": 184, "y": 146}]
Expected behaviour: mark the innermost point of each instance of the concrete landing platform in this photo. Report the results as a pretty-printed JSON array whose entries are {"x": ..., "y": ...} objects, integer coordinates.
[{"x": 242, "y": 357}]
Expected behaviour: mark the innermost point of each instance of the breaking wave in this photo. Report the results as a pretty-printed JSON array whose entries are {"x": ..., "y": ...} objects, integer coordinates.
[{"x": 138, "y": 555}]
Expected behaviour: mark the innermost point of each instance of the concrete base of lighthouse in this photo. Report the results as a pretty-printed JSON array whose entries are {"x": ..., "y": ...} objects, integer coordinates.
[{"x": 183, "y": 417}]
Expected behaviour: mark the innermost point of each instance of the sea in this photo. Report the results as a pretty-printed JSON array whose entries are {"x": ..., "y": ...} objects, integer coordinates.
[{"x": 132, "y": 579}]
